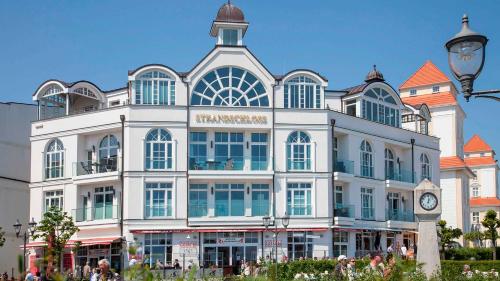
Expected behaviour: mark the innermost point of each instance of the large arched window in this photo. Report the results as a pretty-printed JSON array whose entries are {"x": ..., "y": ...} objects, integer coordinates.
[
  {"x": 154, "y": 87},
  {"x": 302, "y": 92},
  {"x": 425, "y": 167},
  {"x": 230, "y": 86},
  {"x": 390, "y": 170},
  {"x": 54, "y": 160},
  {"x": 298, "y": 151},
  {"x": 108, "y": 151},
  {"x": 159, "y": 150},
  {"x": 380, "y": 106},
  {"x": 366, "y": 159}
]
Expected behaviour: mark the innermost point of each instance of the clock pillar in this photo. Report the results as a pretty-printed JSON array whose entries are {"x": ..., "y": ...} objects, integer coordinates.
[{"x": 428, "y": 211}]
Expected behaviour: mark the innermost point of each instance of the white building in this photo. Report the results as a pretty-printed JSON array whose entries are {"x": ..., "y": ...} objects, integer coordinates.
[
  {"x": 198, "y": 158},
  {"x": 15, "y": 118},
  {"x": 430, "y": 90},
  {"x": 484, "y": 195}
]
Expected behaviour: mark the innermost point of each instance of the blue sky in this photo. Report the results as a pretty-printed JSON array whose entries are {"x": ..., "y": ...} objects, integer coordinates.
[{"x": 100, "y": 40}]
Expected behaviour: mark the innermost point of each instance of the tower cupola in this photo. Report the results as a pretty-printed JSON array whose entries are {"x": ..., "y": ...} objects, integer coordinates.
[{"x": 229, "y": 26}]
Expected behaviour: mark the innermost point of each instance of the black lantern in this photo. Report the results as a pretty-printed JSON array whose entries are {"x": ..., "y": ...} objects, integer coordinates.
[
  {"x": 31, "y": 226},
  {"x": 266, "y": 221},
  {"x": 285, "y": 220},
  {"x": 17, "y": 227},
  {"x": 466, "y": 54}
]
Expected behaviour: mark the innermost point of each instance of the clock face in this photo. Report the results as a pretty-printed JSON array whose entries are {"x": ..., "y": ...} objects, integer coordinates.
[{"x": 428, "y": 201}]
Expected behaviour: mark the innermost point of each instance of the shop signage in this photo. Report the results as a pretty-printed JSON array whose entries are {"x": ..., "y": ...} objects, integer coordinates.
[
  {"x": 231, "y": 119},
  {"x": 188, "y": 248},
  {"x": 272, "y": 243},
  {"x": 230, "y": 240},
  {"x": 98, "y": 253}
]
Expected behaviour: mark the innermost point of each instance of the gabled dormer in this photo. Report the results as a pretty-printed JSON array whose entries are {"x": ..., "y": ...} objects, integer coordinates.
[{"x": 229, "y": 27}]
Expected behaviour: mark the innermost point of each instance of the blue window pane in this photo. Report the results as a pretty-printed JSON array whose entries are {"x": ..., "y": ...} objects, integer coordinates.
[
  {"x": 222, "y": 203},
  {"x": 237, "y": 203}
]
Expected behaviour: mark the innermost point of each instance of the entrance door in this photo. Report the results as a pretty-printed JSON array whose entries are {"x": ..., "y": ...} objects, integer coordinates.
[
  {"x": 223, "y": 259},
  {"x": 237, "y": 259}
]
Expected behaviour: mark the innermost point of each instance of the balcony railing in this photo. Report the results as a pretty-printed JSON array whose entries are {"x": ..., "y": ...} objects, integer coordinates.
[
  {"x": 346, "y": 211},
  {"x": 399, "y": 215},
  {"x": 344, "y": 166},
  {"x": 197, "y": 211},
  {"x": 367, "y": 213},
  {"x": 87, "y": 168},
  {"x": 216, "y": 165},
  {"x": 96, "y": 213},
  {"x": 401, "y": 175}
]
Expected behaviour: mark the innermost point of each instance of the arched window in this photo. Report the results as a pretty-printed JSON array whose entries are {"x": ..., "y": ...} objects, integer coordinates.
[
  {"x": 302, "y": 92},
  {"x": 298, "y": 151},
  {"x": 366, "y": 159},
  {"x": 390, "y": 171},
  {"x": 230, "y": 86},
  {"x": 155, "y": 87},
  {"x": 158, "y": 150},
  {"x": 425, "y": 167},
  {"x": 379, "y": 106},
  {"x": 108, "y": 151},
  {"x": 54, "y": 160}
]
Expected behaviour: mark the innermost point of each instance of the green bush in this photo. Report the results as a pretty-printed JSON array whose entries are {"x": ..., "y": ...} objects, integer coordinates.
[
  {"x": 456, "y": 267},
  {"x": 469, "y": 254}
]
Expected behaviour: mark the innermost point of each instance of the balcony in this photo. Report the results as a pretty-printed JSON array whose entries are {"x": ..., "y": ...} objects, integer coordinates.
[
  {"x": 399, "y": 215},
  {"x": 109, "y": 212},
  {"x": 367, "y": 213},
  {"x": 343, "y": 214},
  {"x": 401, "y": 176},
  {"x": 344, "y": 166},
  {"x": 88, "y": 168},
  {"x": 231, "y": 164}
]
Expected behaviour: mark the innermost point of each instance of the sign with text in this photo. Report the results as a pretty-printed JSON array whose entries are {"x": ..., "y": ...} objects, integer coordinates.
[
  {"x": 231, "y": 119},
  {"x": 272, "y": 243},
  {"x": 188, "y": 248},
  {"x": 230, "y": 240},
  {"x": 96, "y": 253}
]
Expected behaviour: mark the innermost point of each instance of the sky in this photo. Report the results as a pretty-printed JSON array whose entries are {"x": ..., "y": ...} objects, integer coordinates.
[{"x": 100, "y": 41}]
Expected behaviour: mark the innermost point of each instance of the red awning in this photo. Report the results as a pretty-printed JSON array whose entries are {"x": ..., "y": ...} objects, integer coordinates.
[
  {"x": 84, "y": 242},
  {"x": 209, "y": 230}
]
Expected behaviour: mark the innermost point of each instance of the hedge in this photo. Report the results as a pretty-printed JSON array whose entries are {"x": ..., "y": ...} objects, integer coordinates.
[{"x": 469, "y": 254}]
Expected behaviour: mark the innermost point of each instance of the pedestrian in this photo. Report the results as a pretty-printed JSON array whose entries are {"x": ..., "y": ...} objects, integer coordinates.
[
  {"x": 86, "y": 270},
  {"x": 351, "y": 269},
  {"x": 340, "y": 271},
  {"x": 105, "y": 274},
  {"x": 177, "y": 264},
  {"x": 29, "y": 276},
  {"x": 391, "y": 264},
  {"x": 404, "y": 251},
  {"x": 390, "y": 249},
  {"x": 374, "y": 266},
  {"x": 467, "y": 271}
]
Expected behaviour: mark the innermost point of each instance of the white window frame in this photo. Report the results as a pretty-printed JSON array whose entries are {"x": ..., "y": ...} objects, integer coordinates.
[
  {"x": 154, "y": 84},
  {"x": 302, "y": 84},
  {"x": 435, "y": 89},
  {"x": 307, "y": 152},
  {"x": 53, "y": 198},
  {"x": 475, "y": 218},
  {"x": 54, "y": 149},
  {"x": 367, "y": 194},
  {"x": 366, "y": 160},
  {"x": 340, "y": 243},
  {"x": 168, "y": 204},
  {"x": 168, "y": 157},
  {"x": 425, "y": 167},
  {"x": 307, "y": 189}
]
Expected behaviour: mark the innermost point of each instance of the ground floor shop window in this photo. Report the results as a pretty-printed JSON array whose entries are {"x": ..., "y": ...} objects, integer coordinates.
[
  {"x": 300, "y": 245},
  {"x": 158, "y": 249},
  {"x": 94, "y": 253},
  {"x": 365, "y": 243},
  {"x": 340, "y": 243}
]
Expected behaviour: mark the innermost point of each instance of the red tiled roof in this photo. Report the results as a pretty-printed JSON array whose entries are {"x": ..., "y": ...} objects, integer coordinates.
[
  {"x": 427, "y": 74},
  {"x": 484, "y": 201},
  {"x": 480, "y": 161},
  {"x": 476, "y": 144},
  {"x": 432, "y": 100},
  {"x": 451, "y": 162}
]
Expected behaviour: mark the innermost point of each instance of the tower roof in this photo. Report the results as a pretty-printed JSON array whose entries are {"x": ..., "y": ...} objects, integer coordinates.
[
  {"x": 476, "y": 144},
  {"x": 374, "y": 75},
  {"x": 427, "y": 74},
  {"x": 230, "y": 13}
]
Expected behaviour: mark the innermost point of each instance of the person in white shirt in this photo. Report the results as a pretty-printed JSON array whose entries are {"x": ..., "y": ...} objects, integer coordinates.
[{"x": 404, "y": 251}]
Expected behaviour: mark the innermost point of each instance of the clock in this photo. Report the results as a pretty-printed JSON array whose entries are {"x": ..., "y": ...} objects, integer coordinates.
[{"x": 428, "y": 201}]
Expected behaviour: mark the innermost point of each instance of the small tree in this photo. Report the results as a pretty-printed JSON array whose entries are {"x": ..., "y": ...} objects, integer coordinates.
[
  {"x": 475, "y": 236},
  {"x": 491, "y": 223},
  {"x": 447, "y": 235},
  {"x": 2, "y": 237},
  {"x": 56, "y": 228}
]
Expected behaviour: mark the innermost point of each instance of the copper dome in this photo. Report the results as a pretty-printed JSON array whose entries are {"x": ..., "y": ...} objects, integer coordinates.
[
  {"x": 230, "y": 13},
  {"x": 374, "y": 75}
]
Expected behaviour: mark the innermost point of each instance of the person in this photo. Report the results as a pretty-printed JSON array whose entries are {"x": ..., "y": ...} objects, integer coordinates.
[
  {"x": 86, "y": 270},
  {"x": 467, "y": 271},
  {"x": 390, "y": 249},
  {"x": 177, "y": 264},
  {"x": 391, "y": 263},
  {"x": 93, "y": 274},
  {"x": 105, "y": 274},
  {"x": 29, "y": 276},
  {"x": 404, "y": 251},
  {"x": 374, "y": 265},
  {"x": 340, "y": 271},
  {"x": 132, "y": 262},
  {"x": 256, "y": 271},
  {"x": 159, "y": 264},
  {"x": 247, "y": 269},
  {"x": 351, "y": 269},
  {"x": 213, "y": 270}
]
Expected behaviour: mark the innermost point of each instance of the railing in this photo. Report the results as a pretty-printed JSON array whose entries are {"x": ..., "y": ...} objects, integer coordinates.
[
  {"x": 259, "y": 165},
  {"x": 216, "y": 165},
  {"x": 88, "y": 168},
  {"x": 197, "y": 211},
  {"x": 368, "y": 213},
  {"x": 401, "y": 175},
  {"x": 398, "y": 215},
  {"x": 344, "y": 166},
  {"x": 96, "y": 213},
  {"x": 54, "y": 172},
  {"x": 346, "y": 211}
]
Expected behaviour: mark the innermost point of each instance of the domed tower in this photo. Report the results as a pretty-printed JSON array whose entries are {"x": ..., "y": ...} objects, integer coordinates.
[
  {"x": 374, "y": 75},
  {"x": 229, "y": 26}
]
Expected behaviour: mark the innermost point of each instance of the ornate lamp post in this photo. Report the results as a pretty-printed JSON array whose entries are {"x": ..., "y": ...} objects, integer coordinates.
[
  {"x": 30, "y": 231},
  {"x": 285, "y": 221},
  {"x": 466, "y": 54}
]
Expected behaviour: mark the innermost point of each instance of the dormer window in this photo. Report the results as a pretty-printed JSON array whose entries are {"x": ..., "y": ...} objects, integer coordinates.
[
  {"x": 380, "y": 106},
  {"x": 413, "y": 92},
  {"x": 230, "y": 37},
  {"x": 435, "y": 89}
]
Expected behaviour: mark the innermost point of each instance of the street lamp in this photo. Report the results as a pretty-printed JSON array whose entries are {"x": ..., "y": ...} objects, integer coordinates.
[
  {"x": 466, "y": 54},
  {"x": 285, "y": 221},
  {"x": 30, "y": 231}
]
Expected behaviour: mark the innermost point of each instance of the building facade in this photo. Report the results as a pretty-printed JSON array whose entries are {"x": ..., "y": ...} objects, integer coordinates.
[
  {"x": 431, "y": 92},
  {"x": 15, "y": 118},
  {"x": 484, "y": 195},
  {"x": 186, "y": 165}
]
